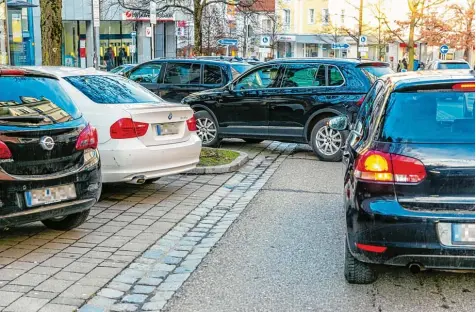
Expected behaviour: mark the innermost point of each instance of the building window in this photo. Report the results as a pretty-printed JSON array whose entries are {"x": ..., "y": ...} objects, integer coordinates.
[
  {"x": 287, "y": 17},
  {"x": 325, "y": 16},
  {"x": 311, "y": 16},
  {"x": 266, "y": 26}
]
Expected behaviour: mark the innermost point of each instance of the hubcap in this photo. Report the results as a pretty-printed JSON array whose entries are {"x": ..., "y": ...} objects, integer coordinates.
[
  {"x": 328, "y": 141},
  {"x": 207, "y": 130}
]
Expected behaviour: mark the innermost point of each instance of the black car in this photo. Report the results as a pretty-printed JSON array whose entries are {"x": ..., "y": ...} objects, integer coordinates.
[
  {"x": 288, "y": 100},
  {"x": 409, "y": 184},
  {"x": 174, "y": 79},
  {"x": 49, "y": 164}
]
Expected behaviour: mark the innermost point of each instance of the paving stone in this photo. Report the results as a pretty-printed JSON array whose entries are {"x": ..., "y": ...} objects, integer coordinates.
[
  {"x": 42, "y": 294},
  {"x": 134, "y": 298},
  {"x": 101, "y": 302},
  {"x": 17, "y": 288},
  {"x": 10, "y": 274},
  {"x": 124, "y": 307},
  {"x": 164, "y": 267},
  {"x": 7, "y": 297},
  {"x": 153, "y": 254},
  {"x": 79, "y": 291},
  {"x": 45, "y": 270},
  {"x": 119, "y": 286},
  {"x": 178, "y": 277},
  {"x": 68, "y": 301},
  {"x": 30, "y": 279},
  {"x": 69, "y": 276},
  {"x": 140, "y": 289},
  {"x": 180, "y": 270},
  {"x": 162, "y": 295},
  {"x": 154, "y": 306},
  {"x": 177, "y": 253},
  {"x": 150, "y": 281},
  {"x": 171, "y": 260},
  {"x": 171, "y": 286},
  {"x": 158, "y": 274},
  {"x": 54, "y": 285},
  {"x": 91, "y": 308},
  {"x": 125, "y": 279},
  {"x": 26, "y": 304},
  {"x": 52, "y": 307},
  {"x": 110, "y": 293}
]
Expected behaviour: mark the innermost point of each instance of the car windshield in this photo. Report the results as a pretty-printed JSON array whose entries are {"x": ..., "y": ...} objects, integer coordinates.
[
  {"x": 455, "y": 65},
  {"x": 34, "y": 101},
  {"x": 104, "y": 89},
  {"x": 429, "y": 117},
  {"x": 374, "y": 72}
]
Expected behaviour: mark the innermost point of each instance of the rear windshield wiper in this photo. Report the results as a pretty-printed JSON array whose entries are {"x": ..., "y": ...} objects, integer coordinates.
[{"x": 32, "y": 119}]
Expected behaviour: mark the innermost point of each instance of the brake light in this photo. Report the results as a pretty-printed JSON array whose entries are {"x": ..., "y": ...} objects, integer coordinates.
[
  {"x": 12, "y": 72},
  {"x": 384, "y": 167},
  {"x": 5, "y": 152},
  {"x": 371, "y": 248},
  {"x": 126, "y": 128},
  {"x": 359, "y": 102},
  {"x": 192, "y": 124},
  {"x": 464, "y": 87},
  {"x": 88, "y": 138}
]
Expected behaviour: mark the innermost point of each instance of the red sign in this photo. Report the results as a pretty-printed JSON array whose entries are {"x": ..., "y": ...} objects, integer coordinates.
[
  {"x": 128, "y": 14},
  {"x": 182, "y": 24}
]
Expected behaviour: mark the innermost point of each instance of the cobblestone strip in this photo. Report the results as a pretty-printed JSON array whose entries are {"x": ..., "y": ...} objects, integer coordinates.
[{"x": 153, "y": 278}]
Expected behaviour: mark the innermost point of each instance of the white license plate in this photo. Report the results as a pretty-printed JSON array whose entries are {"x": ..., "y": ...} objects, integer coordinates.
[
  {"x": 168, "y": 128},
  {"x": 462, "y": 233},
  {"x": 50, "y": 195}
]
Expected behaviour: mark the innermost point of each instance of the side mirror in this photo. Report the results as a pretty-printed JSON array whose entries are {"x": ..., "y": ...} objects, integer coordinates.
[{"x": 339, "y": 123}]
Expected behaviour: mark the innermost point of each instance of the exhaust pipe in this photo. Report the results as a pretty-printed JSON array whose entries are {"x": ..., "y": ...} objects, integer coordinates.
[
  {"x": 138, "y": 180},
  {"x": 415, "y": 268}
]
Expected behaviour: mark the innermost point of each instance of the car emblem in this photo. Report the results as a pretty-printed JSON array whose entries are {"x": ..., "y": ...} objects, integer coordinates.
[
  {"x": 47, "y": 143},
  {"x": 170, "y": 116}
]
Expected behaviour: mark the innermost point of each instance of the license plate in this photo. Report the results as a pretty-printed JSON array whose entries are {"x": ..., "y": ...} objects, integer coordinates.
[
  {"x": 168, "y": 128},
  {"x": 462, "y": 233},
  {"x": 50, "y": 195}
]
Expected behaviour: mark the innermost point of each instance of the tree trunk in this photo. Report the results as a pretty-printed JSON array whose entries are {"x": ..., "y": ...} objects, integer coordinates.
[
  {"x": 197, "y": 31},
  {"x": 411, "y": 44},
  {"x": 51, "y": 31}
]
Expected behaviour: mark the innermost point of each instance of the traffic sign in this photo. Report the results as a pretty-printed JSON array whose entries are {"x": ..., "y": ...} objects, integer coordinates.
[
  {"x": 265, "y": 41},
  {"x": 340, "y": 46},
  {"x": 228, "y": 42},
  {"x": 363, "y": 40},
  {"x": 148, "y": 32},
  {"x": 444, "y": 49}
]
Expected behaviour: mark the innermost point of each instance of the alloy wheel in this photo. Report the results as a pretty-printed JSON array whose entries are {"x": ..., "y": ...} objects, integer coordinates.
[
  {"x": 328, "y": 141},
  {"x": 207, "y": 130}
]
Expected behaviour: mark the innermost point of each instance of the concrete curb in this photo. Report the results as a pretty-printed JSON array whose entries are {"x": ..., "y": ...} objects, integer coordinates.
[{"x": 231, "y": 167}]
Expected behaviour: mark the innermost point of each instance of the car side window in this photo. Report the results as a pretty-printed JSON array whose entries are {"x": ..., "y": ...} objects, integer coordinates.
[
  {"x": 303, "y": 75},
  {"x": 212, "y": 75},
  {"x": 335, "y": 76},
  {"x": 262, "y": 78},
  {"x": 148, "y": 73},
  {"x": 182, "y": 73}
]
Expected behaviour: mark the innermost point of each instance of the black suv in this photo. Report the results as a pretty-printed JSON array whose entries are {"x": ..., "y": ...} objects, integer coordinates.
[
  {"x": 174, "y": 79},
  {"x": 49, "y": 164},
  {"x": 409, "y": 184},
  {"x": 287, "y": 100}
]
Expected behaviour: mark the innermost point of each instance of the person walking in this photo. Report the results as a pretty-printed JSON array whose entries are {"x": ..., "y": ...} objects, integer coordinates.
[{"x": 109, "y": 59}]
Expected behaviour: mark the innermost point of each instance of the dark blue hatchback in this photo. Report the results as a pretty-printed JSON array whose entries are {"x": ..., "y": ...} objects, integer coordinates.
[{"x": 409, "y": 186}]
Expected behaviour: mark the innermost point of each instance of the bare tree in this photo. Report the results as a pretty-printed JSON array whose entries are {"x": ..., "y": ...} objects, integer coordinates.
[
  {"x": 213, "y": 29},
  {"x": 380, "y": 31}
]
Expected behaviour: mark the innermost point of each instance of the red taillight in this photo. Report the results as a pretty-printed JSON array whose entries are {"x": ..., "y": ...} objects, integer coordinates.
[
  {"x": 371, "y": 248},
  {"x": 359, "y": 102},
  {"x": 88, "y": 138},
  {"x": 4, "y": 151},
  {"x": 12, "y": 72},
  {"x": 383, "y": 167},
  {"x": 126, "y": 128},
  {"x": 192, "y": 124},
  {"x": 469, "y": 86}
]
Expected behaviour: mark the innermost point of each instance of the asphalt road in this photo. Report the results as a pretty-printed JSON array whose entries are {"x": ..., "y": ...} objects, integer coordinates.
[{"x": 285, "y": 253}]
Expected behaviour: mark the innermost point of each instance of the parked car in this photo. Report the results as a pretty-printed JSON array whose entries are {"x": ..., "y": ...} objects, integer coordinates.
[
  {"x": 141, "y": 137},
  {"x": 49, "y": 165},
  {"x": 121, "y": 70},
  {"x": 174, "y": 79},
  {"x": 448, "y": 64},
  {"x": 409, "y": 181},
  {"x": 289, "y": 100}
]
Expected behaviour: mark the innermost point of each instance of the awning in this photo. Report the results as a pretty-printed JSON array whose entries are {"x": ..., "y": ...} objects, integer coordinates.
[{"x": 19, "y": 4}]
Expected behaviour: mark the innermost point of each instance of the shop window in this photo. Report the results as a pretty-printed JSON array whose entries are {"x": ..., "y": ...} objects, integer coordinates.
[
  {"x": 335, "y": 76},
  {"x": 182, "y": 73},
  {"x": 148, "y": 73}
]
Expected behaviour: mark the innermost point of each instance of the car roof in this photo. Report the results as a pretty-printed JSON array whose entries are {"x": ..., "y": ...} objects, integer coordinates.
[
  {"x": 428, "y": 77},
  {"x": 325, "y": 59},
  {"x": 63, "y": 71},
  {"x": 196, "y": 60},
  {"x": 452, "y": 61}
]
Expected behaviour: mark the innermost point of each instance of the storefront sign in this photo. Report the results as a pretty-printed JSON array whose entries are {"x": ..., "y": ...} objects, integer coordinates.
[
  {"x": 142, "y": 16},
  {"x": 153, "y": 13},
  {"x": 284, "y": 38}
]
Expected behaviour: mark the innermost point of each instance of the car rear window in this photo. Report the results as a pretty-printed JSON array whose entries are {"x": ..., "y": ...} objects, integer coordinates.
[
  {"x": 455, "y": 65},
  {"x": 375, "y": 72},
  {"x": 112, "y": 90},
  {"x": 35, "y": 96},
  {"x": 429, "y": 117}
]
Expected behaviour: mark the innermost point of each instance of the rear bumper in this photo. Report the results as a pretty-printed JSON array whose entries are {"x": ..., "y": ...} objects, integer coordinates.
[
  {"x": 410, "y": 236},
  {"x": 129, "y": 161}
]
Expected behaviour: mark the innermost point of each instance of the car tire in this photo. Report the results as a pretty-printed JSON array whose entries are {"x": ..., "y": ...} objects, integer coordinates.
[
  {"x": 150, "y": 181},
  {"x": 321, "y": 135},
  {"x": 253, "y": 141},
  {"x": 67, "y": 222},
  {"x": 207, "y": 127},
  {"x": 357, "y": 272}
]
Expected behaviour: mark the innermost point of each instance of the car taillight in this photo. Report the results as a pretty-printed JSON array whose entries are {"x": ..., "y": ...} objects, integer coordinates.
[
  {"x": 12, "y": 72},
  {"x": 5, "y": 152},
  {"x": 469, "y": 86},
  {"x": 359, "y": 102},
  {"x": 192, "y": 124},
  {"x": 384, "y": 167},
  {"x": 126, "y": 128},
  {"x": 88, "y": 138}
]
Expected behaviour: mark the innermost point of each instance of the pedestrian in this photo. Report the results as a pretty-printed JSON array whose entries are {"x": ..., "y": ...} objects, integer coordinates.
[
  {"x": 109, "y": 59},
  {"x": 122, "y": 56},
  {"x": 405, "y": 63},
  {"x": 399, "y": 66}
]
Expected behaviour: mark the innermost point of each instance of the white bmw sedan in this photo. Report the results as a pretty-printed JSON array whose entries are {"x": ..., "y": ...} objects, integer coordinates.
[{"x": 141, "y": 137}]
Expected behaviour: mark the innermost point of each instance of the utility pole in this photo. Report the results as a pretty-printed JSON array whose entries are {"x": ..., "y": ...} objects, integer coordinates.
[
  {"x": 361, "y": 11},
  {"x": 96, "y": 23}
]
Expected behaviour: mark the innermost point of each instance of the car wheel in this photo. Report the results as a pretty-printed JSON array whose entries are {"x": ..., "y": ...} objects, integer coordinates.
[
  {"x": 357, "y": 272},
  {"x": 253, "y": 141},
  {"x": 207, "y": 129},
  {"x": 327, "y": 142},
  {"x": 68, "y": 222}
]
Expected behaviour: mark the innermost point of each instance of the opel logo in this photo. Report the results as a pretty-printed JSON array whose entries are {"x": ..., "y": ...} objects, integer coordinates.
[
  {"x": 170, "y": 116},
  {"x": 47, "y": 143}
]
